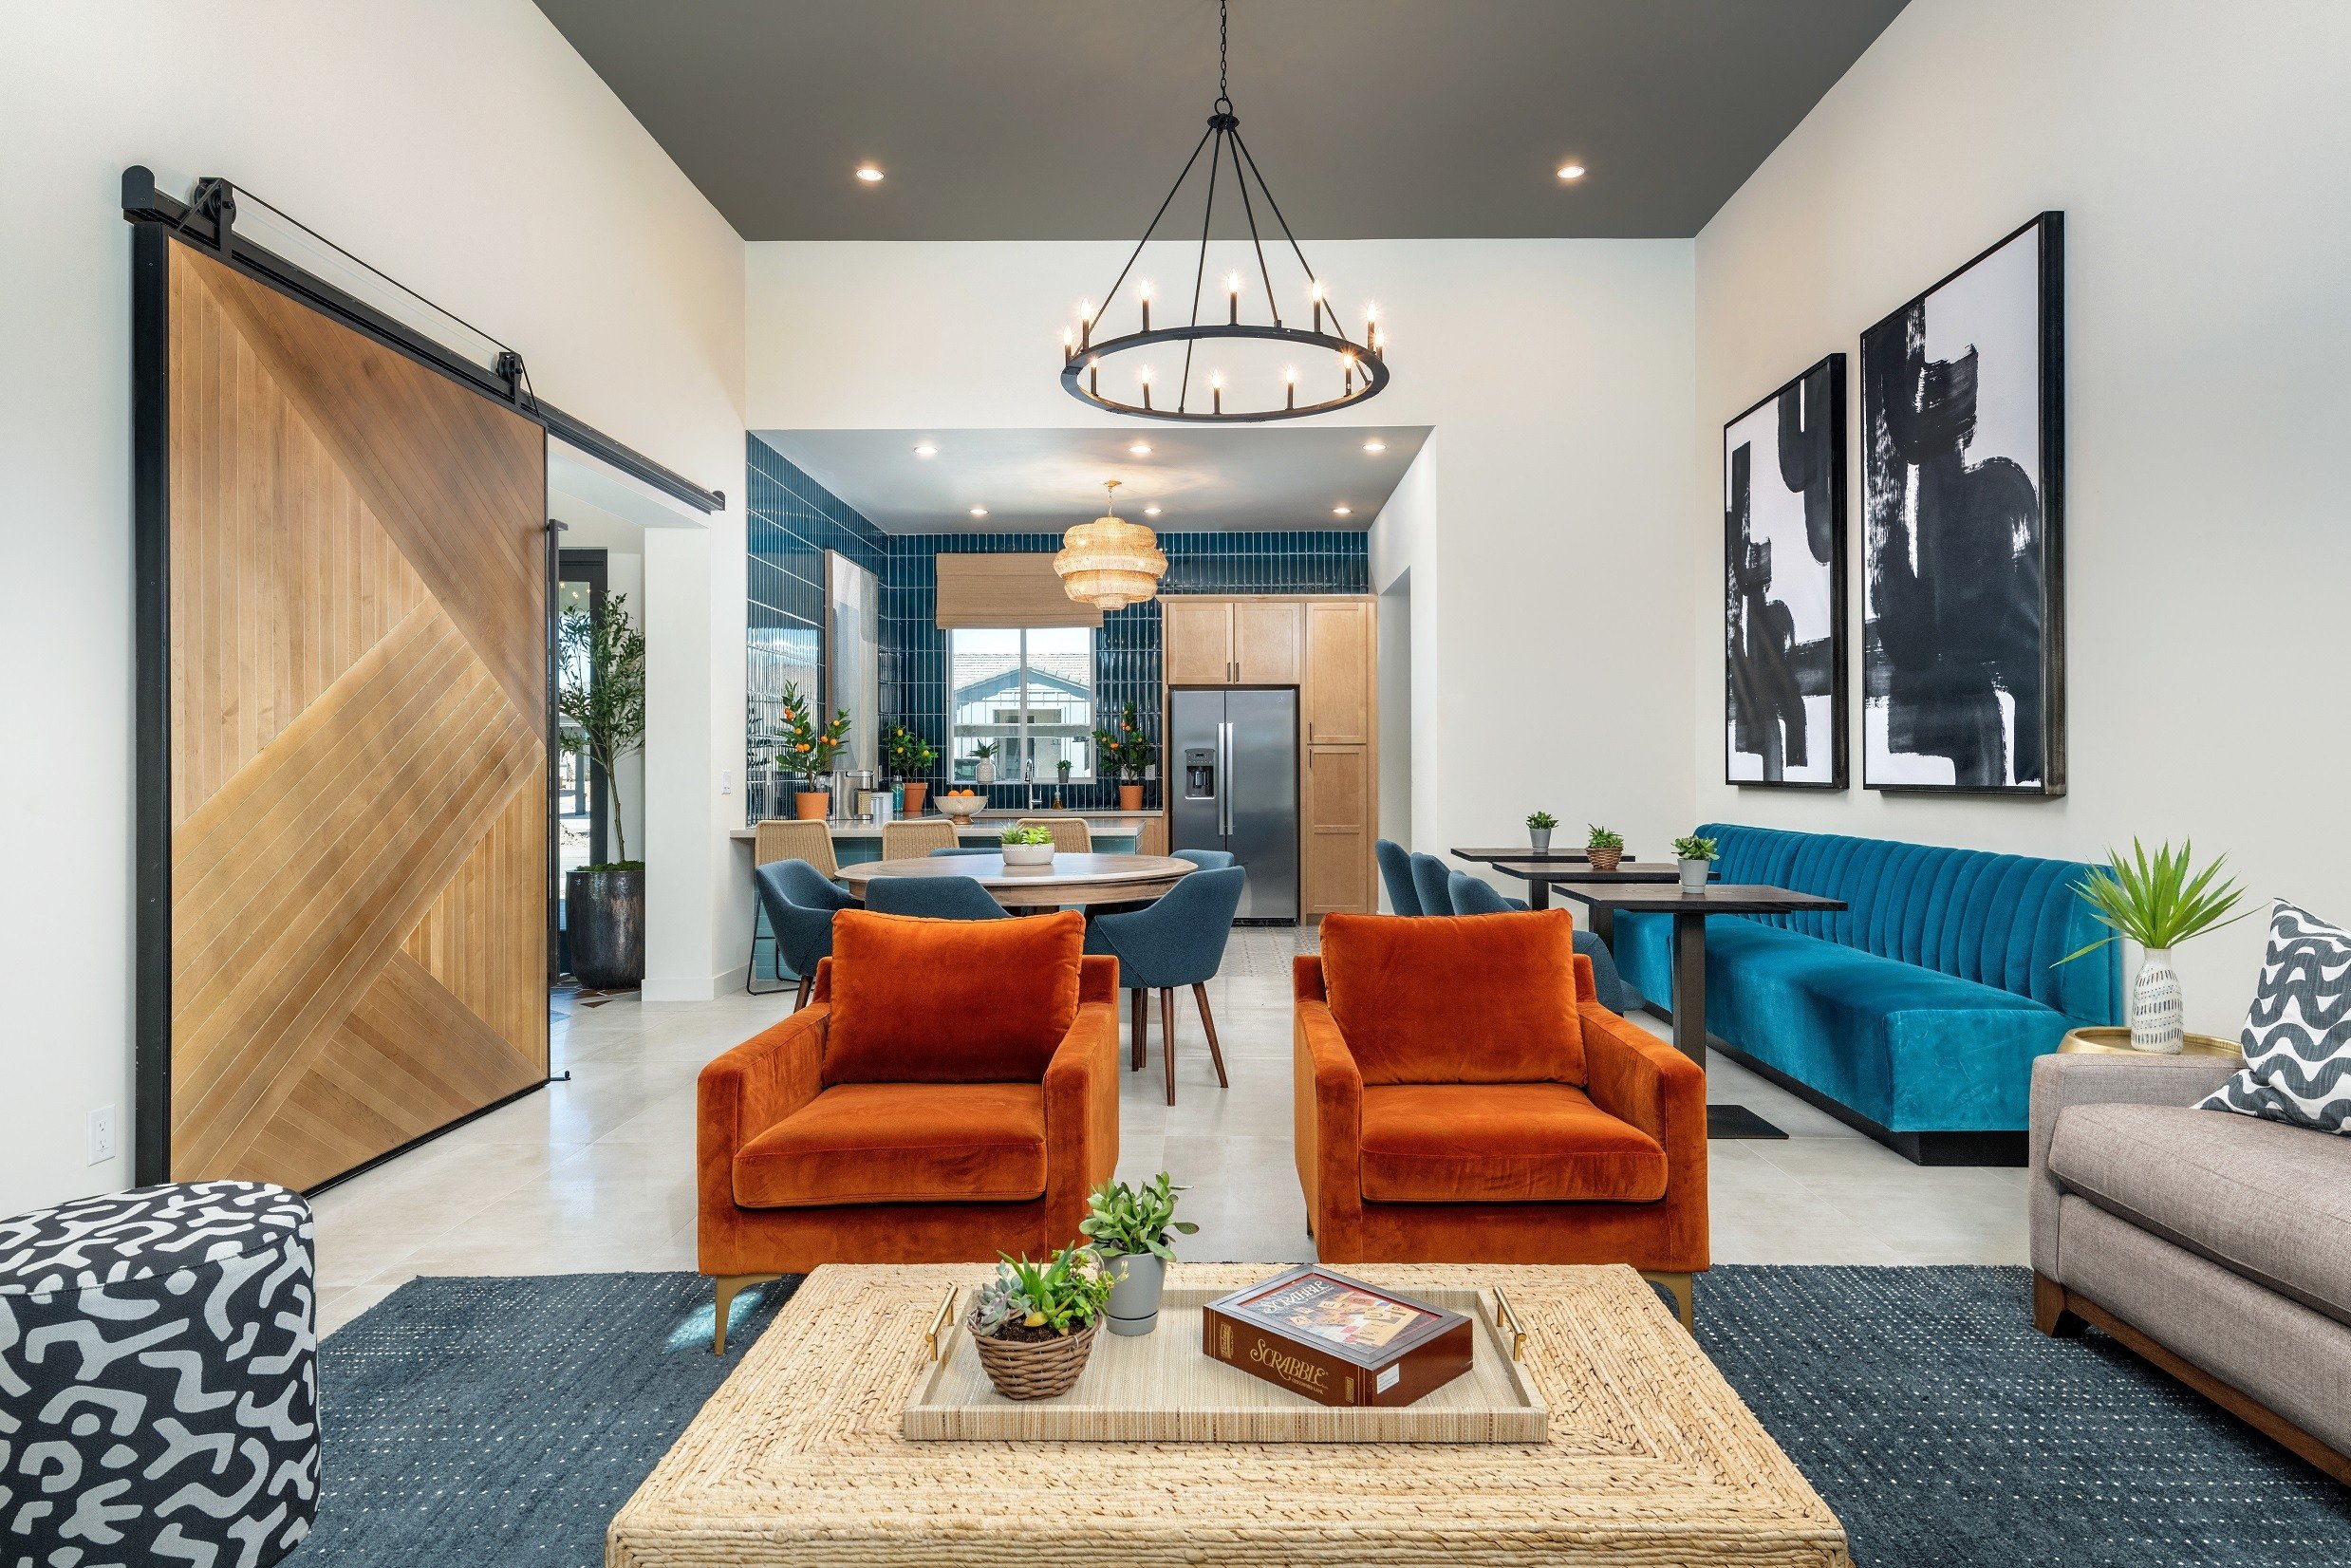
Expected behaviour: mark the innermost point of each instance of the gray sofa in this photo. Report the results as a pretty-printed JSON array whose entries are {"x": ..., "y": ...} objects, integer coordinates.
[{"x": 2215, "y": 1245}]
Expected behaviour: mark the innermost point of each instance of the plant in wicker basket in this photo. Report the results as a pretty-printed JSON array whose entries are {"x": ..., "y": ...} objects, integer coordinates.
[
  {"x": 1033, "y": 1324},
  {"x": 1604, "y": 847}
]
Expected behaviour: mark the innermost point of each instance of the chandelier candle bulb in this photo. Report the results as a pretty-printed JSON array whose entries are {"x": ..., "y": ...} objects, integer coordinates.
[{"x": 1142, "y": 291}]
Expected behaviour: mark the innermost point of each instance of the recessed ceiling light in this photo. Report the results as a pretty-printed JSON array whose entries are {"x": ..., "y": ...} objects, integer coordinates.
[
  {"x": 1570, "y": 171},
  {"x": 1375, "y": 444},
  {"x": 1141, "y": 449},
  {"x": 870, "y": 173},
  {"x": 979, "y": 511},
  {"x": 1342, "y": 510},
  {"x": 1150, "y": 512},
  {"x": 926, "y": 450}
]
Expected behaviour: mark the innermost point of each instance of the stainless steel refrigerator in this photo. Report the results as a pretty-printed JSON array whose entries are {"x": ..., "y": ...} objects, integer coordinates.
[{"x": 1236, "y": 778}]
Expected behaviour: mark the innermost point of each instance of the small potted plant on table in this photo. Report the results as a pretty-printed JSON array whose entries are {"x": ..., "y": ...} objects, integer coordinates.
[
  {"x": 1695, "y": 858},
  {"x": 1027, "y": 846},
  {"x": 910, "y": 759},
  {"x": 1538, "y": 828},
  {"x": 1034, "y": 1323},
  {"x": 810, "y": 749},
  {"x": 1124, "y": 752},
  {"x": 2158, "y": 904},
  {"x": 1604, "y": 848},
  {"x": 1129, "y": 1228}
]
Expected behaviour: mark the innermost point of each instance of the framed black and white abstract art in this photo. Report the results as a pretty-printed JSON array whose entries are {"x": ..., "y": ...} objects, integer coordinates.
[
  {"x": 1784, "y": 585},
  {"x": 1963, "y": 638}
]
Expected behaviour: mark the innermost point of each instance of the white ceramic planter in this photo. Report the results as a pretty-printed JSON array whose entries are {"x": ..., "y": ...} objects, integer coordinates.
[
  {"x": 1028, "y": 855},
  {"x": 1135, "y": 1283},
  {"x": 983, "y": 773},
  {"x": 1694, "y": 874},
  {"x": 2159, "y": 1007},
  {"x": 1542, "y": 837}
]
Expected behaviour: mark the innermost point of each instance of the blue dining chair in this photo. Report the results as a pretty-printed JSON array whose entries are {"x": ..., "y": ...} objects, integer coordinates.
[
  {"x": 933, "y": 898},
  {"x": 800, "y": 903},
  {"x": 1430, "y": 877},
  {"x": 1178, "y": 941},
  {"x": 1396, "y": 870},
  {"x": 1473, "y": 896},
  {"x": 1209, "y": 860}
]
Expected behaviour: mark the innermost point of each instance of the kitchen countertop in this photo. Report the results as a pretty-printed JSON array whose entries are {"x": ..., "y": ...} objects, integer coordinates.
[{"x": 1127, "y": 822}]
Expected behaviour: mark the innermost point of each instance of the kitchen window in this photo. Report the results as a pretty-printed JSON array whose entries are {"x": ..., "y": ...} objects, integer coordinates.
[{"x": 1031, "y": 691}]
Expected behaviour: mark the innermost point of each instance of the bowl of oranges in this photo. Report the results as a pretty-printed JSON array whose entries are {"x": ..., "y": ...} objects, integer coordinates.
[{"x": 960, "y": 804}]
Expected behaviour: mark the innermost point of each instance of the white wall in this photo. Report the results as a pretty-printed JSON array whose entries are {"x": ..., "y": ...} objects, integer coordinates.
[
  {"x": 1550, "y": 556},
  {"x": 460, "y": 145},
  {"x": 2197, "y": 149}
]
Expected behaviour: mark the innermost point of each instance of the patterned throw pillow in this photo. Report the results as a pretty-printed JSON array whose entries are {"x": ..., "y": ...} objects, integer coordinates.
[{"x": 2297, "y": 1037}]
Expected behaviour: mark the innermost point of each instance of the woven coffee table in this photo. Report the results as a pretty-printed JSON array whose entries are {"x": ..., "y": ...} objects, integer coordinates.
[{"x": 1651, "y": 1460}]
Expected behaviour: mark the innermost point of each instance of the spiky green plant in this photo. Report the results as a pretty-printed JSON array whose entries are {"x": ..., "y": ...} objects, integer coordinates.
[
  {"x": 1025, "y": 835},
  {"x": 1063, "y": 1294},
  {"x": 2158, "y": 902},
  {"x": 1604, "y": 838},
  {"x": 1542, "y": 820},
  {"x": 1128, "y": 1221},
  {"x": 1694, "y": 849}
]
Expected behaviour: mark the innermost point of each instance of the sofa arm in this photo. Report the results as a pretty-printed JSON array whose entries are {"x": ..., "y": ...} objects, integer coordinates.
[
  {"x": 749, "y": 1089},
  {"x": 1637, "y": 1077},
  {"x": 1081, "y": 1109},
  {"x": 2101, "y": 1078},
  {"x": 1587, "y": 982},
  {"x": 1327, "y": 1097}
]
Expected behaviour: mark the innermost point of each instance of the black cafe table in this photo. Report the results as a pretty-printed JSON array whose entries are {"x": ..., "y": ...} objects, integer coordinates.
[
  {"x": 1689, "y": 911},
  {"x": 1539, "y": 875}
]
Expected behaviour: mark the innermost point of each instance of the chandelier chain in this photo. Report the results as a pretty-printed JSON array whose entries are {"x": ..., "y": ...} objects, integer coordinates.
[{"x": 1224, "y": 87}]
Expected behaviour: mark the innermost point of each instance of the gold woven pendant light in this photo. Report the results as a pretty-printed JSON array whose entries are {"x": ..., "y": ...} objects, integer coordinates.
[{"x": 1111, "y": 563}]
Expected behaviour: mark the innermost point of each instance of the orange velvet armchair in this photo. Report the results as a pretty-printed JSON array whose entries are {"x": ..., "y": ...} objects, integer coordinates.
[
  {"x": 1460, "y": 1096},
  {"x": 949, "y": 1093}
]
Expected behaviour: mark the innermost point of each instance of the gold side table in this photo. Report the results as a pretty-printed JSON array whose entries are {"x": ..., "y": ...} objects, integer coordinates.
[{"x": 2117, "y": 1042}]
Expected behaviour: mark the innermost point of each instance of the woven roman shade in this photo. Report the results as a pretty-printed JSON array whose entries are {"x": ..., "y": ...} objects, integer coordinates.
[{"x": 1006, "y": 591}]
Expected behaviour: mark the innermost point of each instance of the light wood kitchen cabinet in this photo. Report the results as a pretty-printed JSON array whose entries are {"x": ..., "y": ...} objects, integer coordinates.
[
  {"x": 1342, "y": 641},
  {"x": 1328, "y": 647}
]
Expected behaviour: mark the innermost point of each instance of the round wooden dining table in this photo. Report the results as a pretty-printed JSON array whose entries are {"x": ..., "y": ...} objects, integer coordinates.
[{"x": 1071, "y": 879}]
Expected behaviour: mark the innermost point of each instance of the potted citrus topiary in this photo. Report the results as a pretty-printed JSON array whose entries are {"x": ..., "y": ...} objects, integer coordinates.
[
  {"x": 1034, "y": 1323},
  {"x": 1603, "y": 848},
  {"x": 910, "y": 759},
  {"x": 1026, "y": 845},
  {"x": 810, "y": 749},
  {"x": 1129, "y": 1228},
  {"x": 1538, "y": 828},
  {"x": 1124, "y": 752},
  {"x": 2158, "y": 904},
  {"x": 1694, "y": 857}
]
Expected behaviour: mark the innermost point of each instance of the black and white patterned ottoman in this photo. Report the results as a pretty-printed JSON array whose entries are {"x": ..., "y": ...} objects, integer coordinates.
[{"x": 158, "y": 1379}]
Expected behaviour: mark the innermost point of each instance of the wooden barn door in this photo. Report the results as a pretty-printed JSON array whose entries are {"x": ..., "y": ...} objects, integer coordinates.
[{"x": 356, "y": 713}]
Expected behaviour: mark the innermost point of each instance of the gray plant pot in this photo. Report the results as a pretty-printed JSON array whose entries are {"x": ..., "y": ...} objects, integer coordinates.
[
  {"x": 1136, "y": 1281},
  {"x": 1542, "y": 839},
  {"x": 1694, "y": 874},
  {"x": 603, "y": 919}
]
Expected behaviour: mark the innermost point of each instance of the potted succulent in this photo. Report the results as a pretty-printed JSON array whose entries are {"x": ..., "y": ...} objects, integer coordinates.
[
  {"x": 1129, "y": 1228},
  {"x": 912, "y": 758},
  {"x": 1603, "y": 848},
  {"x": 1062, "y": 776},
  {"x": 1124, "y": 752},
  {"x": 1538, "y": 828},
  {"x": 600, "y": 702},
  {"x": 1027, "y": 846},
  {"x": 984, "y": 763},
  {"x": 1034, "y": 1323},
  {"x": 1695, "y": 859},
  {"x": 810, "y": 750},
  {"x": 2158, "y": 903}
]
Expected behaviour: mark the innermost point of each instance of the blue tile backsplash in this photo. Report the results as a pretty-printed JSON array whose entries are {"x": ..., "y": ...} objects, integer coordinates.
[{"x": 794, "y": 520}]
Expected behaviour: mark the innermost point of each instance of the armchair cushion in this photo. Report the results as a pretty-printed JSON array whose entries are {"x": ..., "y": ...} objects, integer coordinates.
[
  {"x": 1526, "y": 1143},
  {"x": 1472, "y": 999},
  {"x": 950, "y": 1001},
  {"x": 900, "y": 1142}
]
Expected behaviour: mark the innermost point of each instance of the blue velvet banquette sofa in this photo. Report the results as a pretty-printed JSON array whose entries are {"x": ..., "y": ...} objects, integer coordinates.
[{"x": 1913, "y": 1015}]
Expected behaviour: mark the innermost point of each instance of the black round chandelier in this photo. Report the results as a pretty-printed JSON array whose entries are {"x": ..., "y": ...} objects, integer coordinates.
[{"x": 1351, "y": 371}]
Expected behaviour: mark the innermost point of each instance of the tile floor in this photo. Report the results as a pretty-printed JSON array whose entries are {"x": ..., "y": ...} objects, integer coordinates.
[{"x": 597, "y": 1173}]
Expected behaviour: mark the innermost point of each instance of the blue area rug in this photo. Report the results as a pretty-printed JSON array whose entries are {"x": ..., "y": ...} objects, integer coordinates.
[{"x": 506, "y": 1420}]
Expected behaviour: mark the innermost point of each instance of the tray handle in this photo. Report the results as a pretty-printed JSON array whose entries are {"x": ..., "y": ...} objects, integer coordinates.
[
  {"x": 1508, "y": 1316},
  {"x": 935, "y": 1337}
]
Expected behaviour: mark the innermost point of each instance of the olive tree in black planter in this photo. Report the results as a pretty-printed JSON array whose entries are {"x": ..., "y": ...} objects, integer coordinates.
[{"x": 601, "y": 704}]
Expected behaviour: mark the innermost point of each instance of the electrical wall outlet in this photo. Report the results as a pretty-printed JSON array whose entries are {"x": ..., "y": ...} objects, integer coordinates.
[
  {"x": 727, "y": 781},
  {"x": 101, "y": 1134}
]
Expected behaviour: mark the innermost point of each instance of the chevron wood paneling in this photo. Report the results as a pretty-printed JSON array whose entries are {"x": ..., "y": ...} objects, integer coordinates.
[{"x": 358, "y": 757}]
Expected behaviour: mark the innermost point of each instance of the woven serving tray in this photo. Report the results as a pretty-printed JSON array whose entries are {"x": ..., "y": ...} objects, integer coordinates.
[{"x": 1161, "y": 1388}]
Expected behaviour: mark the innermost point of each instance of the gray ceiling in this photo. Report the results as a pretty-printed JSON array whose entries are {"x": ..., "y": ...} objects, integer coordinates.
[
  {"x": 1069, "y": 119},
  {"x": 1039, "y": 481}
]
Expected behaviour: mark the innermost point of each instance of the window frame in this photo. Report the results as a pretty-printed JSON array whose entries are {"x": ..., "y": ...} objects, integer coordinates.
[{"x": 1086, "y": 770}]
